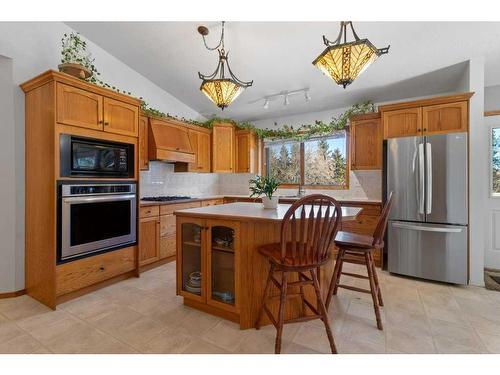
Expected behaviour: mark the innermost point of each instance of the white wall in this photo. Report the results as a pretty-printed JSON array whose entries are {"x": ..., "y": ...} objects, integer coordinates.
[
  {"x": 492, "y": 98},
  {"x": 8, "y": 185},
  {"x": 35, "y": 48}
]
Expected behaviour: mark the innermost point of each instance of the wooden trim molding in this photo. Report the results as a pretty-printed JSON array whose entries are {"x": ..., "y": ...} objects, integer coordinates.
[
  {"x": 17, "y": 293},
  {"x": 492, "y": 113},
  {"x": 426, "y": 102},
  {"x": 52, "y": 75}
]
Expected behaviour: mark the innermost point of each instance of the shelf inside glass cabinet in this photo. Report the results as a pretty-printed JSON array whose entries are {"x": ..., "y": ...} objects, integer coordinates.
[
  {"x": 222, "y": 265},
  {"x": 191, "y": 258}
]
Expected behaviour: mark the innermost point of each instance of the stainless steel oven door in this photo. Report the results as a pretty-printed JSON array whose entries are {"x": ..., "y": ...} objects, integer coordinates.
[{"x": 94, "y": 223}]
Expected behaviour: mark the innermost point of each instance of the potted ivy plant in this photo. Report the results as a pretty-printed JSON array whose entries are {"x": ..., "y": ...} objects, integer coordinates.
[
  {"x": 266, "y": 186},
  {"x": 75, "y": 59}
]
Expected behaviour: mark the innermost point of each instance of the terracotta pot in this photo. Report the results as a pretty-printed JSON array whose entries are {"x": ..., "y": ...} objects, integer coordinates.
[
  {"x": 75, "y": 70},
  {"x": 270, "y": 203}
]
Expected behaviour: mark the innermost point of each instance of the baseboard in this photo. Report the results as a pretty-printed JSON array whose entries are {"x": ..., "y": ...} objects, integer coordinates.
[
  {"x": 13, "y": 294},
  {"x": 161, "y": 262}
]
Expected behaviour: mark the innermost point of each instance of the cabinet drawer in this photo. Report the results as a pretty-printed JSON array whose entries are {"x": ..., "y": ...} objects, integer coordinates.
[
  {"x": 84, "y": 272},
  {"x": 368, "y": 208},
  {"x": 169, "y": 209},
  {"x": 149, "y": 211},
  {"x": 167, "y": 225},
  {"x": 167, "y": 246}
]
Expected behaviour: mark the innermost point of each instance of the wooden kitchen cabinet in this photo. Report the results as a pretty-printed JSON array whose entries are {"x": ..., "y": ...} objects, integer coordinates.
[
  {"x": 143, "y": 144},
  {"x": 120, "y": 118},
  {"x": 246, "y": 148},
  {"x": 149, "y": 240},
  {"x": 223, "y": 140},
  {"x": 211, "y": 248},
  {"x": 200, "y": 142},
  {"x": 90, "y": 110},
  {"x": 402, "y": 123},
  {"x": 437, "y": 115},
  {"x": 79, "y": 107},
  {"x": 366, "y": 142},
  {"x": 445, "y": 118}
]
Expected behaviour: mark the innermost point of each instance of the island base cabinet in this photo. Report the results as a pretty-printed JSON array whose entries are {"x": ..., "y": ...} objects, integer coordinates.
[{"x": 207, "y": 262}]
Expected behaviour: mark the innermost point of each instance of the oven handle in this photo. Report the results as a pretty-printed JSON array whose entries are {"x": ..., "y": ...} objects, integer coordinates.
[{"x": 107, "y": 198}]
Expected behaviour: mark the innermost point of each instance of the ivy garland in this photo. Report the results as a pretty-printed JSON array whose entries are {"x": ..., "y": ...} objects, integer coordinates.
[{"x": 74, "y": 50}]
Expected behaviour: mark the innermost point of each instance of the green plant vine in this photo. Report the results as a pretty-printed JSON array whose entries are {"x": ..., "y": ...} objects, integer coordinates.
[{"x": 74, "y": 50}]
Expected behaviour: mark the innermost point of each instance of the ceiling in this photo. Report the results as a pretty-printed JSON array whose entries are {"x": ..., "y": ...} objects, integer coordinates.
[{"x": 277, "y": 56}]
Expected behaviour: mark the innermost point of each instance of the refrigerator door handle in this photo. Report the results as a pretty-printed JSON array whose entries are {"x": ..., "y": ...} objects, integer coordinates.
[
  {"x": 428, "y": 165},
  {"x": 421, "y": 171},
  {"x": 428, "y": 228}
]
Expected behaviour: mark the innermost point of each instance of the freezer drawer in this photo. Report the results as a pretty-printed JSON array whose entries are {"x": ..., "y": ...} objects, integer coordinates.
[{"x": 429, "y": 251}]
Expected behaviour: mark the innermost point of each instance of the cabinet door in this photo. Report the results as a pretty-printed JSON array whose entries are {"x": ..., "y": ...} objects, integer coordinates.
[
  {"x": 200, "y": 143},
  {"x": 366, "y": 144},
  {"x": 445, "y": 118},
  {"x": 149, "y": 240},
  {"x": 222, "y": 264},
  {"x": 121, "y": 118},
  {"x": 191, "y": 258},
  {"x": 79, "y": 107},
  {"x": 242, "y": 152},
  {"x": 143, "y": 144},
  {"x": 402, "y": 123},
  {"x": 167, "y": 246},
  {"x": 223, "y": 148}
]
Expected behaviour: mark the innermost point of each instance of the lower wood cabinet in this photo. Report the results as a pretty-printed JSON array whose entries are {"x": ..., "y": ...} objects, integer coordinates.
[
  {"x": 208, "y": 256},
  {"x": 92, "y": 270},
  {"x": 149, "y": 240}
]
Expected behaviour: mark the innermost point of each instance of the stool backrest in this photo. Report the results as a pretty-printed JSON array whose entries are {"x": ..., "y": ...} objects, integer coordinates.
[
  {"x": 309, "y": 227},
  {"x": 378, "y": 235}
]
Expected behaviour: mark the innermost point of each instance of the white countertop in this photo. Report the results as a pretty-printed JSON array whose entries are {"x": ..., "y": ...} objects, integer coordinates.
[{"x": 253, "y": 211}]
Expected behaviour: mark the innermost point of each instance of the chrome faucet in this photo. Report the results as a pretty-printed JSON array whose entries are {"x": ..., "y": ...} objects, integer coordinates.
[{"x": 302, "y": 191}]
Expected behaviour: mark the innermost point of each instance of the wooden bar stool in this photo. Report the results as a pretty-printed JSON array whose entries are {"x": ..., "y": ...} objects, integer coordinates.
[
  {"x": 304, "y": 247},
  {"x": 358, "y": 249}
]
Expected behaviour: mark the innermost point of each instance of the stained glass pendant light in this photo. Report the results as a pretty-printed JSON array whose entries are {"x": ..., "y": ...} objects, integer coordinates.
[
  {"x": 344, "y": 61},
  {"x": 217, "y": 87}
]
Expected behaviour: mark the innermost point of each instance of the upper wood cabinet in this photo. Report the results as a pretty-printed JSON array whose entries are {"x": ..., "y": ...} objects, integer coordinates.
[
  {"x": 445, "y": 118},
  {"x": 79, "y": 107},
  {"x": 438, "y": 115},
  {"x": 402, "y": 123},
  {"x": 86, "y": 109},
  {"x": 366, "y": 142},
  {"x": 200, "y": 142},
  {"x": 120, "y": 118},
  {"x": 246, "y": 156},
  {"x": 143, "y": 144},
  {"x": 223, "y": 148}
]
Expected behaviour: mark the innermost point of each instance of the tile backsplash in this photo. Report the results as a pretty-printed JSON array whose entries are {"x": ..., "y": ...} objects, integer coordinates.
[{"x": 161, "y": 180}]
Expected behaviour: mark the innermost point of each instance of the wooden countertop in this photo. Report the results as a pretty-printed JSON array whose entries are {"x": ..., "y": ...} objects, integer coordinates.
[
  {"x": 283, "y": 199},
  {"x": 243, "y": 211}
]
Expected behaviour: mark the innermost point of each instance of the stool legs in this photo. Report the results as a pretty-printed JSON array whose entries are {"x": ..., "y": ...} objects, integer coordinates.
[
  {"x": 337, "y": 271},
  {"x": 323, "y": 312},
  {"x": 281, "y": 313},
  {"x": 375, "y": 277},
  {"x": 374, "y": 289},
  {"x": 264, "y": 297}
]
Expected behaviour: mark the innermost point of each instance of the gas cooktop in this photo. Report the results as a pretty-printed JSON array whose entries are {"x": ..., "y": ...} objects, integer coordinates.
[{"x": 163, "y": 198}]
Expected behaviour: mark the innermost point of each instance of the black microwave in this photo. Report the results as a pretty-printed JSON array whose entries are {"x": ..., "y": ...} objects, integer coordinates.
[{"x": 87, "y": 157}]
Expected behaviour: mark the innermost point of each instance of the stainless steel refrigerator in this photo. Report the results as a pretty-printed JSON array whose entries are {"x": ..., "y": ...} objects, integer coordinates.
[{"x": 427, "y": 231}]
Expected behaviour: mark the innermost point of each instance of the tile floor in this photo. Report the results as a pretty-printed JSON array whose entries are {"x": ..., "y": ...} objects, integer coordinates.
[{"x": 144, "y": 315}]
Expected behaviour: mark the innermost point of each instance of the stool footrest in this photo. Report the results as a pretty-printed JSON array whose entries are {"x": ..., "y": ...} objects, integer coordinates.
[
  {"x": 356, "y": 289},
  {"x": 355, "y": 275}
]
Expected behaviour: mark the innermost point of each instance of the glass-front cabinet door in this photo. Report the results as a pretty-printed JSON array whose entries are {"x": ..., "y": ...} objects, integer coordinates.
[
  {"x": 222, "y": 264},
  {"x": 191, "y": 278}
]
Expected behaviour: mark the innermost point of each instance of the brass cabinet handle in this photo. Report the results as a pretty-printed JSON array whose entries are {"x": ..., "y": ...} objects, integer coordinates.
[
  {"x": 100, "y": 122},
  {"x": 106, "y": 123},
  {"x": 101, "y": 268}
]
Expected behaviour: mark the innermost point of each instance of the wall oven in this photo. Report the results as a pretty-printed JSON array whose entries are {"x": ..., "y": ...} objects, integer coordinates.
[
  {"x": 87, "y": 157},
  {"x": 95, "y": 217}
]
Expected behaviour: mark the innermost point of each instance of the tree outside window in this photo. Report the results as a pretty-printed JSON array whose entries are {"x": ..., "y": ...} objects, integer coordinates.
[
  {"x": 495, "y": 162},
  {"x": 322, "y": 160}
]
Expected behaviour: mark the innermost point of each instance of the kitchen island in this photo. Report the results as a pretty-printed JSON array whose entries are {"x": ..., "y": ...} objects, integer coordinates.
[{"x": 219, "y": 268}]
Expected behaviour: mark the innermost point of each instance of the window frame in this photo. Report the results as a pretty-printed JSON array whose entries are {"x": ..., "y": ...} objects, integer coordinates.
[
  {"x": 492, "y": 194},
  {"x": 302, "y": 165}
]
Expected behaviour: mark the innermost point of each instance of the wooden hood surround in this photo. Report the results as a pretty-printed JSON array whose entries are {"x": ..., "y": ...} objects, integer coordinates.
[{"x": 169, "y": 142}]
